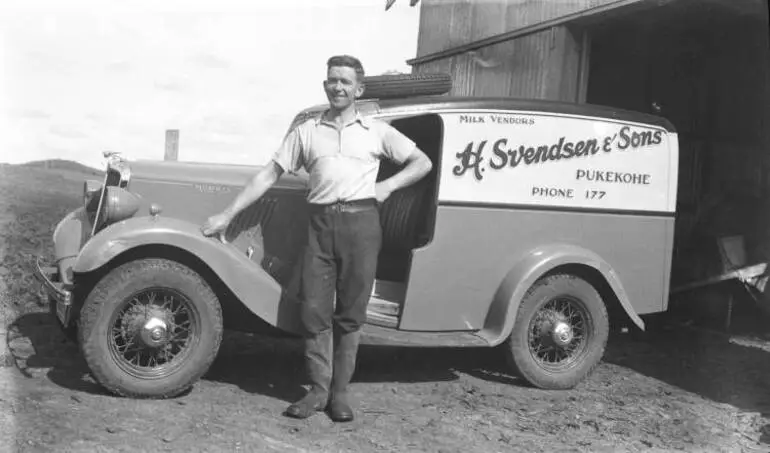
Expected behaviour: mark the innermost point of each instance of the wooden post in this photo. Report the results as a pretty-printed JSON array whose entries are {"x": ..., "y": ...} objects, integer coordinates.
[
  {"x": 172, "y": 144},
  {"x": 583, "y": 67}
]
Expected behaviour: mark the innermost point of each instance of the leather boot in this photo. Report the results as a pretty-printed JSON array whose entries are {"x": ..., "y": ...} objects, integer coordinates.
[
  {"x": 345, "y": 351},
  {"x": 318, "y": 356}
]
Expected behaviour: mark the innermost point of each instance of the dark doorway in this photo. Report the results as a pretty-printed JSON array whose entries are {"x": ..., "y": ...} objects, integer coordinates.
[{"x": 704, "y": 64}]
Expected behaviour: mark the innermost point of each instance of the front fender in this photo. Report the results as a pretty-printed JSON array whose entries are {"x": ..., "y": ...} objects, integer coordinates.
[
  {"x": 528, "y": 270},
  {"x": 248, "y": 281},
  {"x": 68, "y": 237}
]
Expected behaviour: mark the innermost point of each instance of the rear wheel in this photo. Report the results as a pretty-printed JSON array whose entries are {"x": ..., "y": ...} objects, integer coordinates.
[
  {"x": 560, "y": 332},
  {"x": 150, "y": 329}
]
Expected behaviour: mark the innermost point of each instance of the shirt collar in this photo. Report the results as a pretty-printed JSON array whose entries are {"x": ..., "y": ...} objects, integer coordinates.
[{"x": 361, "y": 119}]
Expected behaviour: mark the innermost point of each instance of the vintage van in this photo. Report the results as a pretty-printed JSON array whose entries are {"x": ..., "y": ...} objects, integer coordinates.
[{"x": 541, "y": 225}]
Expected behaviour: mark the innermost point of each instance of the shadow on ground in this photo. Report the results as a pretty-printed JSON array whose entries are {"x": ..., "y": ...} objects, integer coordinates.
[
  {"x": 692, "y": 348},
  {"x": 39, "y": 347},
  {"x": 707, "y": 364},
  {"x": 274, "y": 367},
  {"x": 257, "y": 364}
]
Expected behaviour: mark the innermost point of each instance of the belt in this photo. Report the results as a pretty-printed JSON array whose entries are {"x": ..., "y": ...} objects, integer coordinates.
[{"x": 343, "y": 206}]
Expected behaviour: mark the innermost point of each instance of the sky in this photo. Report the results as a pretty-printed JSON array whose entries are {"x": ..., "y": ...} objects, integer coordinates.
[{"x": 81, "y": 77}]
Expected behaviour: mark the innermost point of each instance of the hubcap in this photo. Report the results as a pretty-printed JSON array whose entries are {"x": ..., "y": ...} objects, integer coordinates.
[
  {"x": 559, "y": 333},
  {"x": 154, "y": 333},
  {"x": 562, "y": 334}
]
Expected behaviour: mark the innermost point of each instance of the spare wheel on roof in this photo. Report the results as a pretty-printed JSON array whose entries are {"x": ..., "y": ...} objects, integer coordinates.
[{"x": 406, "y": 85}]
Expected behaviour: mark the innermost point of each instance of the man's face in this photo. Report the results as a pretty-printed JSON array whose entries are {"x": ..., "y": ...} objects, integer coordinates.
[{"x": 342, "y": 86}]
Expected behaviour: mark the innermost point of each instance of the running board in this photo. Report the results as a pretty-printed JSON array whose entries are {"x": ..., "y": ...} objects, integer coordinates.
[{"x": 383, "y": 336}]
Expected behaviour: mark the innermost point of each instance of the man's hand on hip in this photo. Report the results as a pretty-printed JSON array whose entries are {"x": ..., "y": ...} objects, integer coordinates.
[{"x": 382, "y": 191}]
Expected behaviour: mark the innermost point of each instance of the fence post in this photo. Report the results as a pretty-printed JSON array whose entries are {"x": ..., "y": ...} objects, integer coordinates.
[{"x": 172, "y": 144}]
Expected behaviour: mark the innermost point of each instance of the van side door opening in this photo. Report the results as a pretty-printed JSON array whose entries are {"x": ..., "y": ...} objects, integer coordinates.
[{"x": 407, "y": 218}]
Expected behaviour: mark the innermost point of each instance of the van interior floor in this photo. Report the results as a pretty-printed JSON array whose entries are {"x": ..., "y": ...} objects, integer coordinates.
[{"x": 385, "y": 303}]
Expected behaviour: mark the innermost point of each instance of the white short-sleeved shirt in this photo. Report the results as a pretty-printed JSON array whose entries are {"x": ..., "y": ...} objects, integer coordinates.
[{"x": 342, "y": 162}]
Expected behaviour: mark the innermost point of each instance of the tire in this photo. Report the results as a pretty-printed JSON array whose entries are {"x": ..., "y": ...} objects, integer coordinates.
[
  {"x": 115, "y": 316},
  {"x": 543, "y": 309},
  {"x": 401, "y": 215},
  {"x": 406, "y": 85}
]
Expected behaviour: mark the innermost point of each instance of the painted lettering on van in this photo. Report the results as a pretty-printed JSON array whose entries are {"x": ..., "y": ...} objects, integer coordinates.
[
  {"x": 472, "y": 157},
  {"x": 638, "y": 139}
]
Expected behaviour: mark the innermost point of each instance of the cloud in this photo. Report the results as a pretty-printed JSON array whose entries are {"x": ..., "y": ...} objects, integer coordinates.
[
  {"x": 80, "y": 82},
  {"x": 118, "y": 66},
  {"x": 31, "y": 114},
  {"x": 95, "y": 117},
  {"x": 209, "y": 61},
  {"x": 173, "y": 84},
  {"x": 223, "y": 124},
  {"x": 45, "y": 61},
  {"x": 223, "y": 142},
  {"x": 63, "y": 131}
]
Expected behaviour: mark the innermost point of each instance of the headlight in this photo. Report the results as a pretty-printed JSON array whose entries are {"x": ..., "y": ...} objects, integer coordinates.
[
  {"x": 119, "y": 204},
  {"x": 110, "y": 201}
]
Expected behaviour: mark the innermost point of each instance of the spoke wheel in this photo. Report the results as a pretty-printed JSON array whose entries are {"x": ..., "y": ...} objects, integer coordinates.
[
  {"x": 150, "y": 329},
  {"x": 560, "y": 332},
  {"x": 153, "y": 332}
]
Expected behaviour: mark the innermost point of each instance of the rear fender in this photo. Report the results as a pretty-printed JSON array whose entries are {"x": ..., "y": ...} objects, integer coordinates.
[
  {"x": 502, "y": 313},
  {"x": 246, "y": 279}
]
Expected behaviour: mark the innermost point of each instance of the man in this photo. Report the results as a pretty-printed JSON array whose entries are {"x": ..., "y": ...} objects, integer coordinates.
[{"x": 341, "y": 151}]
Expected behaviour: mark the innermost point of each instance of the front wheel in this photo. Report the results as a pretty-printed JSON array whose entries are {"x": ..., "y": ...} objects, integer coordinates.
[
  {"x": 150, "y": 329},
  {"x": 560, "y": 332}
]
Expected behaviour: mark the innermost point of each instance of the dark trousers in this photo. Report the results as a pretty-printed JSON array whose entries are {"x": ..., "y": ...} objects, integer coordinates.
[{"x": 341, "y": 255}]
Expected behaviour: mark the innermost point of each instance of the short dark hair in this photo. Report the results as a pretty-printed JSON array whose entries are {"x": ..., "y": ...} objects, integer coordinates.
[{"x": 349, "y": 61}]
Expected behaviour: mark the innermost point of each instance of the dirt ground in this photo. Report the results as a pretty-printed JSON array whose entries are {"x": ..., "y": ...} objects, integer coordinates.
[{"x": 673, "y": 388}]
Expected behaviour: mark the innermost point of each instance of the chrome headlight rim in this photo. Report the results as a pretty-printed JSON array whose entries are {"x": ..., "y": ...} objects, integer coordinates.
[
  {"x": 118, "y": 163},
  {"x": 115, "y": 164}
]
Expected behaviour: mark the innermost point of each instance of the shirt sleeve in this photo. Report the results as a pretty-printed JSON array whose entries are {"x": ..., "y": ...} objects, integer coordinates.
[
  {"x": 395, "y": 145},
  {"x": 289, "y": 154}
]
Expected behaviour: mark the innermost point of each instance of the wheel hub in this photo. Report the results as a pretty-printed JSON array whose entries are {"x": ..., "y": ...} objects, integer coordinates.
[
  {"x": 562, "y": 334},
  {"x": 154, "y": 333}
]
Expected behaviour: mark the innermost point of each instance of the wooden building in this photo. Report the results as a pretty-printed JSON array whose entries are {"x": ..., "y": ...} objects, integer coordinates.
[{"x": 704, "y": 63}]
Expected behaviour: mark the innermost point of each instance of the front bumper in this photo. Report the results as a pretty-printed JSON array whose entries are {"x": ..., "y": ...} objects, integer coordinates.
[{"x": 59, "y": 293}]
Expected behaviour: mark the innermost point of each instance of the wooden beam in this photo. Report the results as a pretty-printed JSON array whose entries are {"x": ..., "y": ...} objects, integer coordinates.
[
  {"x": 172, "y": 144},
  {"x": 532, "y": 29}
]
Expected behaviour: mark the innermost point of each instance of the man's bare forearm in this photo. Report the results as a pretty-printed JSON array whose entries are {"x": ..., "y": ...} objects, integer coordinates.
[
  {"x": 414, "y": 170},
  {"x": 254, "y": 190}
]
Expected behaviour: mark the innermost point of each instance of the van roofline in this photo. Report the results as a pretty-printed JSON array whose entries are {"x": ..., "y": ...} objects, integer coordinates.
[{"x": 418, "y": 104}]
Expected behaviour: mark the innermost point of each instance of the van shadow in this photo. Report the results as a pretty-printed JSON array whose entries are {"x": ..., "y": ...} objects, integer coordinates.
[
  {"x": 274, "y": 366},
  {"x": 696, "y": 353},
  {"x": 706, "y": 364},
  {"x": 39, "y": 347},
  {"x": 258, "y": 364}
]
